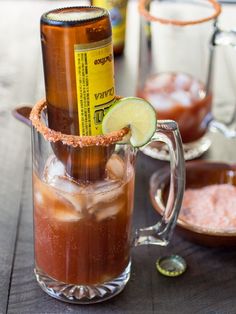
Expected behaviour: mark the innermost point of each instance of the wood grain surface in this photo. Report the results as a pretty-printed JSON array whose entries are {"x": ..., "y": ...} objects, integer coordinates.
[{"x": 209, "y": 284}]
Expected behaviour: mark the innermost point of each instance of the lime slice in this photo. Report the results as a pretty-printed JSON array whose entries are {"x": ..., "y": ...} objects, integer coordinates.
[{"x": 135, "y": 113}]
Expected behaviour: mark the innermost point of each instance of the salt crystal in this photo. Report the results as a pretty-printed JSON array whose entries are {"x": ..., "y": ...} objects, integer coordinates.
[{"x": 211, "y": 207}]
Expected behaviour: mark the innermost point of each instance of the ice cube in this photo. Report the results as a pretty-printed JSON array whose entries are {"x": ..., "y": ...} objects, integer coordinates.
[
  {"x": 53, "y": 167},
  {"x": 182, "y": 81},
  {"x": 44, "y": 195},
  {"x": 105, "y": 192},
  {"x": 159, "y": 82},
  {"x": 181, "y": 97},
  {"x": 197, "y": 91},
  {"x": 115, "y": 167},
  {"x": 109, "y": 210},
  {"x": 38, "y": 198},
  {"x": 66, "y": 214},
  {"x": 108, "y": 192},
  {"x": 67, "y": 185},
  {"x": 71, "y": 191},
  {"x": 161, "y": 102},
  {"x": 55, "y": 202}
]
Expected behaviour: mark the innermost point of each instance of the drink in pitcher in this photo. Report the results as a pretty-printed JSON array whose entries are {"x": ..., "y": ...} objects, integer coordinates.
[
  {"x": 182, "y": 98},
  {"x": 82, "y": 230}
]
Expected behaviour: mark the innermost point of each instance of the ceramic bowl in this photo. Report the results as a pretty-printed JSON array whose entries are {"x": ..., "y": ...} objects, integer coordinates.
[{"x": 198, "y": 174}]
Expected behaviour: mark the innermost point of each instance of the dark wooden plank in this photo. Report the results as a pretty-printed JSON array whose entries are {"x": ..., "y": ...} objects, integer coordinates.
[
  {"x": 12, "y": 157},
  {"x": 13, "y": 141}
]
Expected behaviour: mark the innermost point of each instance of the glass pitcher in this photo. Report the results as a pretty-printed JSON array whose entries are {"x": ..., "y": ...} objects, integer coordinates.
[
  {"x": 82, "y": 228},
  {"x": 176, "y": 58}
]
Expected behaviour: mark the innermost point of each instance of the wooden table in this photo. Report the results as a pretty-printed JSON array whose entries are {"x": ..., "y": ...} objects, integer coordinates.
[{"x": 209, "y": 284}]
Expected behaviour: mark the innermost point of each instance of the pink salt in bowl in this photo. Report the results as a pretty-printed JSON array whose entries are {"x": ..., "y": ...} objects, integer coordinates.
[{"x": 208, "y": 213}]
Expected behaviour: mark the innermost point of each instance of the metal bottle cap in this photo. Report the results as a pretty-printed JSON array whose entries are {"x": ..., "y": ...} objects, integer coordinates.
[{"x": 171, "y": 266}]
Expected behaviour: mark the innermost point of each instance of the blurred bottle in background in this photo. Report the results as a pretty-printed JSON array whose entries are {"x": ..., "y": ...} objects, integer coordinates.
[{"x": 117, "y": 10}]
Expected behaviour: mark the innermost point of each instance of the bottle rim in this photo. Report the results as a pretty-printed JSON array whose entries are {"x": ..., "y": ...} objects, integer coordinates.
[{"x": 78, "y": 21}]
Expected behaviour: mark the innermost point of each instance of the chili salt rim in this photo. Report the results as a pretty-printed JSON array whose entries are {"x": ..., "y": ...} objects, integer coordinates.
[
  {"x": 144, "y": 12},
  {"x": 72, "y": 140}
]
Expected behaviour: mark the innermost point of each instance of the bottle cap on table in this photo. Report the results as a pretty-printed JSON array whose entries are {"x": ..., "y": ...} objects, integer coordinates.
[{"x": 171, "y": 266}]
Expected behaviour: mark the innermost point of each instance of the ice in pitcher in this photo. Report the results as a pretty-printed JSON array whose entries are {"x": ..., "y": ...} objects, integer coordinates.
[
  {"x": 182, "y": 98},
  {"x": 90, "y": 222}
]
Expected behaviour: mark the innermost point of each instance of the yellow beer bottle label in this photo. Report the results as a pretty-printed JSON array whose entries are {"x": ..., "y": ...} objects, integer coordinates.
[
  {"x": 117, "y": 10},
  {"x": 95, "y": 84}
]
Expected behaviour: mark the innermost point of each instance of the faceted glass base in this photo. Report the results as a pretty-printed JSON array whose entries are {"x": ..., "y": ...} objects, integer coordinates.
[
  {"x": 191, "y": 150},
  {"x": 81, "y": 294}
]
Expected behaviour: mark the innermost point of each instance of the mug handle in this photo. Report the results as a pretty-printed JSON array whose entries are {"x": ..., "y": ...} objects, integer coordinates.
[
  {"x": 220, "y": 37},
  {"x": 167, "y": 131}
]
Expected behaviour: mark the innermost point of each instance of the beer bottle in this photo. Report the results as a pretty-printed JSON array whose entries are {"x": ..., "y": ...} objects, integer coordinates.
[
  {"x": 117, "y": 10},
  {"x": 79, "y": 82}
]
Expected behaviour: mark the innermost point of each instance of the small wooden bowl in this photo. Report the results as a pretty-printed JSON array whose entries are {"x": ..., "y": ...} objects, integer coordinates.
[{"x": 198, "y": 174}]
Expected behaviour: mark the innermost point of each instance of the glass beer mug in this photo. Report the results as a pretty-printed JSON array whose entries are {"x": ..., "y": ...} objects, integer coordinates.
[
  {"x": 177, "y": 45},
  {"x": 82, "y": 228}
]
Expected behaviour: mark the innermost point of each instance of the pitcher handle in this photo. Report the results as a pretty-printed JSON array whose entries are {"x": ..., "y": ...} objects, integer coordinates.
[
  {"x": 159, "y": 234},
  {"x": 220, "y": 37}
]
